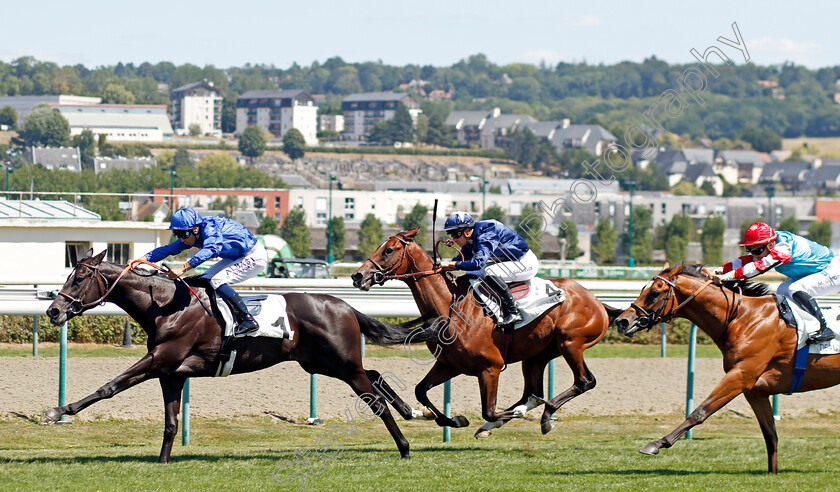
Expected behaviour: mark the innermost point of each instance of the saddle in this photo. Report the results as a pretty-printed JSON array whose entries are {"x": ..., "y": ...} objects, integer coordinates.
[{"x": 534, "y": 297}]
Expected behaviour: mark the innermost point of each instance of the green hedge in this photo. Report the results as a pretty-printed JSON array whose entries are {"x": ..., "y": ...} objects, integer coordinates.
[{"x": 83, "y": 329}]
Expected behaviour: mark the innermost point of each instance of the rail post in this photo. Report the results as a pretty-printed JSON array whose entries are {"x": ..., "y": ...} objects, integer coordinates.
[
  {"x": 689, "y": 387},
  {"x": 35, "y": 336},
  {"x": 447, "y": 407},
  {"x": 664, "y": 340},
  {"x": 62, "y": 367},
  {"x": 551, "y": 379},
  {"x": 185, "y": 414},
  {"x": 313, "y": 400}
]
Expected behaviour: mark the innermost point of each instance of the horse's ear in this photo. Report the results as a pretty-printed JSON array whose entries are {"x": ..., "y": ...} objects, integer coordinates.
[
  {"x": 409, "y": 234},
  {"x": 666, "y": 266},
  {"x": 98, "y": 258},
  {"x": 87, "y": 254}
]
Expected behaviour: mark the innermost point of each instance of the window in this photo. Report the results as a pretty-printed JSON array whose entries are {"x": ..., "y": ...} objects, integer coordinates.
[
  {"x": 321, "y": 219},
  {"x": 373, "y": 203},
  {"x": 74, "y": 251},
  {"x": 350, "y": 203},
  {"x": 349, "y": 216},
  {"x": 320, "y": 204},
  {"x": 259, "y": 202},
  {"x": 276, "y": 202},
  {"x": 119, "y": 253}
]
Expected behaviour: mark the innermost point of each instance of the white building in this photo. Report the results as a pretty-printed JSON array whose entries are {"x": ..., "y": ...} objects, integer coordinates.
[
  {"x": 363, "y": 111},
  {"x": 57, "y": 233},
  {"x": 120, "y": 122},
  {"x": 24, "y": 104},
  {"x": 199, "y": 103},
  {"x": 330, "y": 123},
  {"x": 278, "y": 112}
]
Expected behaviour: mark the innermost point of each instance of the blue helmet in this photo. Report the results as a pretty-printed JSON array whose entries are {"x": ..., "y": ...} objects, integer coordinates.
[
  {"x": 458, "y": 220},
  {"x": 185, "y": 219}
]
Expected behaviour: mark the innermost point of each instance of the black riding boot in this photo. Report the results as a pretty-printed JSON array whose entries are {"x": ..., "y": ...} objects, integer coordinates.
[
  {"x": 809, "y": 304},
  {"x": 511, "y": 312},
  {"x": 245, "y": 323}
]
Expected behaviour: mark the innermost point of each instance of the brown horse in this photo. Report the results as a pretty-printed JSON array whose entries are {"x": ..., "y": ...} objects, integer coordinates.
[
  {"x": 184, "y": 341},
  {"x": 758, "y": 347},
  {"x": 468, "y": 342}
]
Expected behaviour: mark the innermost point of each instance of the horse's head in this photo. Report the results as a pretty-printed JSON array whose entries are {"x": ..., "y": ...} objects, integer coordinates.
[
  {"x": 391, "y": 258},
  {"x": 658, "y": 300},
  {"x": 83, "y": 289}
]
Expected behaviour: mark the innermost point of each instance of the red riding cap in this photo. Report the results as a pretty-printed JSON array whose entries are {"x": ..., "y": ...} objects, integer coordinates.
[{"x": 758, "y": 233}]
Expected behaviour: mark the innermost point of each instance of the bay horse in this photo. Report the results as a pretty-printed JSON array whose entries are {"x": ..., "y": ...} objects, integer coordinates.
[
  {"x": 758, "y": 346},
  {"x": 468, "y": 342},
  {"x": 184, "y": 340}
]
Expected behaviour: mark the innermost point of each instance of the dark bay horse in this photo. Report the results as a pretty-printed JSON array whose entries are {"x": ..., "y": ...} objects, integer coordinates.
[
  {"x": 470, "y": 344},
  {"x": 758, "y": 346},
  {"x": 184, "y": 341}
]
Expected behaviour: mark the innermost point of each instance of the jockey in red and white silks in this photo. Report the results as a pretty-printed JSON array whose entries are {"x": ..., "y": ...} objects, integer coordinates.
[{"x": 811, "y": 268}]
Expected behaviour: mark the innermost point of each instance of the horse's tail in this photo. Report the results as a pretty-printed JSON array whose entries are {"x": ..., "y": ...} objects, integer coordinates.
[
  {"x": 413, "y": 331},
  {"x": 612, "y": 312}
]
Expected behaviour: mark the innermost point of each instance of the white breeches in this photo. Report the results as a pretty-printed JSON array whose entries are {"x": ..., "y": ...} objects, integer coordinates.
[
  {"x": 236, "y": 271},
  {"x": 822, "y": 283},
  {"x": 515, "y": 271}
]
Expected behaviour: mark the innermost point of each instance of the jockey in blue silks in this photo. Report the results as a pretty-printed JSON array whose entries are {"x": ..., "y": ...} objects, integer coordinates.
[
  {"x": 242, "y": 257},
  {"x": 494, "y": 252}
]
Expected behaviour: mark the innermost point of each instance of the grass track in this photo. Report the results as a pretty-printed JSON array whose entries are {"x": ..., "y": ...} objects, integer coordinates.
[{"x": 585, "y": 453}]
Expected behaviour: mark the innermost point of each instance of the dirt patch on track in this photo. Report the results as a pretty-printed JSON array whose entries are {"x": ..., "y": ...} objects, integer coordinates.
[{"x": 29, "y": 385}]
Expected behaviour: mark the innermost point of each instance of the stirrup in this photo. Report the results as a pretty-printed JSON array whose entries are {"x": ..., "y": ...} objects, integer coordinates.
[
  {"x": 245, "y": 328},
  {"x": 824, "y": 335}
]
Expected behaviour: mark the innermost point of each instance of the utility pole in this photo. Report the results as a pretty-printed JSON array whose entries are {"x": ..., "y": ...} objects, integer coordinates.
[{"x": 631, "y": 262}]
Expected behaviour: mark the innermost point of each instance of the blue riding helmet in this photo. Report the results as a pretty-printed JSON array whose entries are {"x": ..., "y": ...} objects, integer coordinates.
[
  {"x": 185, "y": 219},
  {"x": 458, "y": 220}
]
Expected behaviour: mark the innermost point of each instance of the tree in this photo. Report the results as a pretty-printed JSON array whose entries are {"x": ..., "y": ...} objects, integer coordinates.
[
  {"x": 530, "y": 226},
  {"x": 370, "y": 235},
  {"x": 604, "y": 242},
  {"x": 437, "y": 132},
  {"x": 712, "y": 240},
  {"x": 85, "y": 142},
  {"x": 8, "y": 116},
  {"x": 494, "y": 212},
  {"x": 417, "y": 218},
  {"x": 115, "y": 93},
  {"x": 296, "y": 234},
  {"x": 642, "y": 237},
  {"x": 569, "y": 232},
  {"x": 195, "y": 130},
  {"x": 403, "y": 124},
  {"x": 268, "y": 225},
  {"x": 790, "y": 224},
  {"x": 820, "y": 232},
  {"x": 182, "y": 159},
  {"x": 252, "y": 142},
  {"x": 676, "y": 237},
  {"x": 45, "y": 127},
  {"x": 294, "y": 145},
  {"x": 337, "y": 237},
  {"x": 523, "y": 147}
]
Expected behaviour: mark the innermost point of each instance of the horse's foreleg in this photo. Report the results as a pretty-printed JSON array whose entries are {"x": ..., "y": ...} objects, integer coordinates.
[
  {"x": 139, "y": 372},
  {"x": 380, "y": 383},
  {"x": 728, "y": 388},
  {"x": 172, "y": 387},
  {"x": 532, "y": 395},
  {"x": 365, "y": 389},
  {"x": 584, "y": 381},
  {"x": 763, "y": 410},
  {"x": 488, "y": 384},
  {"x": 438, "y": 374}
]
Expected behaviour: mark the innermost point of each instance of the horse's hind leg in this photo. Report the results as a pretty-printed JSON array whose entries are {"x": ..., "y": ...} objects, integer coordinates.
[
  {"x": 363, "y": 387},
  {"x": 172, "y": 387},
  {"x": 139, "y": 372},
  {"x": 763, "y": 410},
  {"x": 584, "y": 381},
  {"x": 380, "y": 383}
]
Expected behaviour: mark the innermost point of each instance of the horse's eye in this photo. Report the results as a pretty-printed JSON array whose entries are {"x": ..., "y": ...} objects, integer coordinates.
[
  {"x": 77, "y": 280},
  {"x": 387, "y": 251}
]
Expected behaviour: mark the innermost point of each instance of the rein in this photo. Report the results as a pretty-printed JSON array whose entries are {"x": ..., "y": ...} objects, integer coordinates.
[
  {"x": 650, "y": 318},
  {"x": 77, "y": 305}
]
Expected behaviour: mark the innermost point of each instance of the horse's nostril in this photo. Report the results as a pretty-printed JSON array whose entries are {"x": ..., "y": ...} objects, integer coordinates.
[
  {"x": 622, "y": 324},
  {"x": 356, "y": 277}
]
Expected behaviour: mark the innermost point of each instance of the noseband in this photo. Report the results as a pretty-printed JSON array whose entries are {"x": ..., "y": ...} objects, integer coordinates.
[
  {"x": 381, "y": 275},
  {"x": 650, "y": 318}
]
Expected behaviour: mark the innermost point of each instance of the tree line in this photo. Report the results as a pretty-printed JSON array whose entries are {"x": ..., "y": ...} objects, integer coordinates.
[{"x": 584, "y": 93}]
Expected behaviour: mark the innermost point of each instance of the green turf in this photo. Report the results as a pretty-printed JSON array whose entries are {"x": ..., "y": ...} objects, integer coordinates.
[
  {"x": 581, "y": 453},
  {"x": 419, "y": 351}
]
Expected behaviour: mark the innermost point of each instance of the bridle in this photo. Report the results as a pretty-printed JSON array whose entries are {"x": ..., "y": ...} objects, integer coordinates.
[
  {"x": 381, "y": 275},
  {"x": 658, "y": 315},
  {"x": 77, "y": 304}
]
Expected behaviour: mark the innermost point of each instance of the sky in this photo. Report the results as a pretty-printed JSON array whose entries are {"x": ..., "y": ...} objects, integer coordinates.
[{"x": 430, "y": 32}]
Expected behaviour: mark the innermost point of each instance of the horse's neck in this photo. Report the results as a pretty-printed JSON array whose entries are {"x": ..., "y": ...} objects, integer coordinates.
[
  {"x": 135, "y": 294},
  {"x": 712, "y": 309},
  {"x": 431, "y": 292}
]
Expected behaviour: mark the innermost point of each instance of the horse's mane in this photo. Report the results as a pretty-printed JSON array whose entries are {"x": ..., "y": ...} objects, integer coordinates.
[{"x": 747, "y": 288}]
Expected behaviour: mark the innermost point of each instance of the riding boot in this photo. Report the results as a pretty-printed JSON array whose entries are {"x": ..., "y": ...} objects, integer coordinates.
[
  {"x": 808, "y": 303},
  {"x": 511, "y": 312},
  {"x": 245, "y": 323}
]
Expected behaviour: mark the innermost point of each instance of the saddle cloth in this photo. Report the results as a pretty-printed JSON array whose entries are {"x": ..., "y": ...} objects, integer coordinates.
[
  {"x": 270, "y": 313},
  {"x": 533, "y": 298},
  {"x": 807, "y": 325}
]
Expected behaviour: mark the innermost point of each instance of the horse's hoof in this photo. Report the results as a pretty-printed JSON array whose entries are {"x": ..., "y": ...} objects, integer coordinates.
[
  {"x": 406, "y": 456},
  {"x": 651, "y": 449},
  {"x": 460, "y": 421},
  {"x": 482, "y": 434},
  {"x": 53, "y": 415},
  {"x": 546, "y": 427},
  {"x": 520, "y": 411}
]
